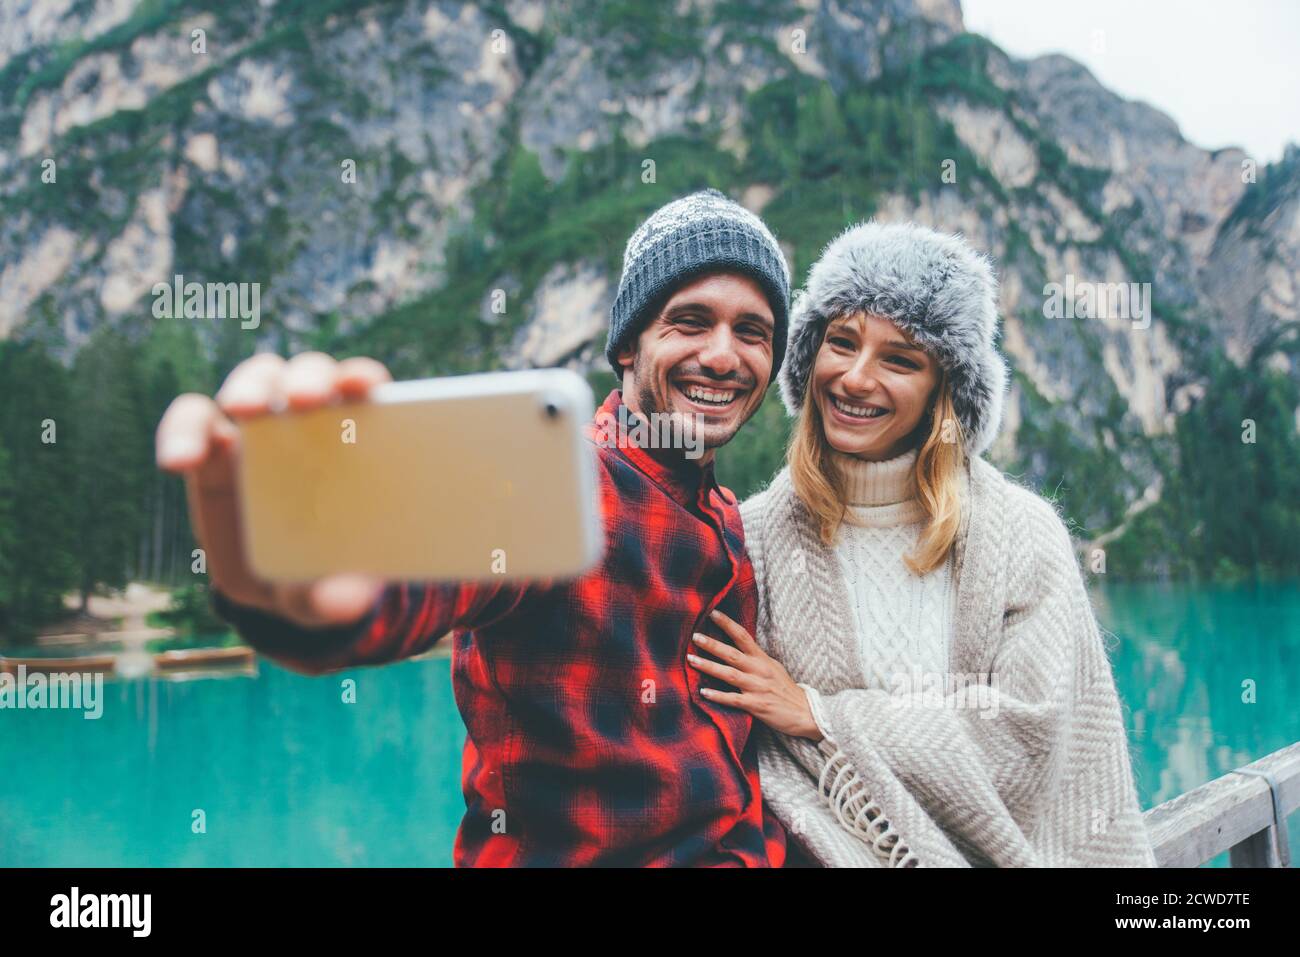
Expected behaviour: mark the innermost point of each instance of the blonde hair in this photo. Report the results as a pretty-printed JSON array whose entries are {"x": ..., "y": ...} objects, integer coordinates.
[{"x": 820, "y": 486}]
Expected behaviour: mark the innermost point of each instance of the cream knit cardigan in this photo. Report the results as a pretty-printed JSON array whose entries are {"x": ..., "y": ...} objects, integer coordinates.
[{"x": 1043, "y": 779}]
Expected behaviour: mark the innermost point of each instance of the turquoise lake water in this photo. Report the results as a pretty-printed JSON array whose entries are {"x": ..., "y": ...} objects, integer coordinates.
[{"x": 286, "y": 773}]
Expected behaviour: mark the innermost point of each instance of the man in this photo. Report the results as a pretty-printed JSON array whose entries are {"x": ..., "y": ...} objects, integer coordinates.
[{"x": 589, "y": 742}]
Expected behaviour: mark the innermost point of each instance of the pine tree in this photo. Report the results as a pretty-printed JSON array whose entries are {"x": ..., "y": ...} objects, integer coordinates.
[
  {"x": 105, "y": 434},
  {"x": 171, "y": 362},
  {"x": 8, "y": 538},
  {"x": 37, "y": 489}
]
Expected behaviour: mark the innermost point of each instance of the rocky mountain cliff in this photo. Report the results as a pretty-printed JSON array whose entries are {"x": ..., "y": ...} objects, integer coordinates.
[{"x": 503, "y": 151}]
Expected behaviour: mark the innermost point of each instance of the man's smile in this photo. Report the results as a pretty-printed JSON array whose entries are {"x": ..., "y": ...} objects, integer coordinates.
[{"x": 710, "y": 397}]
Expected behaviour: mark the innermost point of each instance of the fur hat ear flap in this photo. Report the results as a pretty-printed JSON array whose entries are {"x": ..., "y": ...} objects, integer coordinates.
[
  {"x": 983, "y": 410},
  {"x": 805, "y": 339},
  {"x": 937, "y": 289}
]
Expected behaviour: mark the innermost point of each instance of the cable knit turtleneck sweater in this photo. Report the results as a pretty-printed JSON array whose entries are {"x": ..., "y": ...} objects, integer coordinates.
[
  {"x": 903, "y": 622},
  {"x": 1033, "y": 770}
]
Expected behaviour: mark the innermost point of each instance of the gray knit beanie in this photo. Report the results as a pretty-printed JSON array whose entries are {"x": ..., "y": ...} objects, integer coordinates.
[
  {"x": 701, "y": 233},
  {"x": 935, "y": 288}
]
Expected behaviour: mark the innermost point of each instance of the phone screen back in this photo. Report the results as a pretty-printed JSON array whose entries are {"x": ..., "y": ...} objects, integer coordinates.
[{"x": 457, "y": 479}]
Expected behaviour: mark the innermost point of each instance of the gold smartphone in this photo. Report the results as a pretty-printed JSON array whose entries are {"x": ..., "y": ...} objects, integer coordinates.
[{"x": 463, "y": 478}]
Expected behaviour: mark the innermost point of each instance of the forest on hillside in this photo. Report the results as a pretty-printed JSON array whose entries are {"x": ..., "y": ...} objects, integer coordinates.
[{"x": 82, "y": 506}]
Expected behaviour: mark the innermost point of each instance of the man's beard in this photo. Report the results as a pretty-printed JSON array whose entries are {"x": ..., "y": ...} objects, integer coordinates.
[{"x": 649, "y": 403}]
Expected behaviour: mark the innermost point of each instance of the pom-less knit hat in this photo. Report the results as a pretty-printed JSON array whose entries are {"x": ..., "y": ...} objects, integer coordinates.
[
  {"x": 935, "y": 288},
  {"x": 701, "y": 233}
]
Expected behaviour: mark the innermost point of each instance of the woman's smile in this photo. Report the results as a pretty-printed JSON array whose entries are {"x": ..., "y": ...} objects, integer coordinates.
[{"x": 856, "y": 413}]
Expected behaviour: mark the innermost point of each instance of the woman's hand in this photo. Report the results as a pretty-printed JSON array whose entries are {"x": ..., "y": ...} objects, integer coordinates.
[{"x": 766, "y": 689}]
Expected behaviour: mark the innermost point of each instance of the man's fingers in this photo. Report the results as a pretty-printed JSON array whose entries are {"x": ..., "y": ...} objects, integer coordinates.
[
  {"x": 309, "y": 380},
  {"x": 187, "y": 430},
  {"x": 333, "y": 601},
  {"x": 345, "y": 598},
  {"x": 197, "y": 438},
  {"x": 252, "y": 385},
  {"x": 355, "y": 377}
]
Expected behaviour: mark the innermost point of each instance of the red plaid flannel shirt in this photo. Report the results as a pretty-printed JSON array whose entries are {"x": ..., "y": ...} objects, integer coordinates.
[{"x": 588, "y": 741}]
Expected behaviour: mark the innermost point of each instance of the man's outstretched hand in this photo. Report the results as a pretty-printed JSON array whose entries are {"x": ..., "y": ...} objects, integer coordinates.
[{"x": 197, "y": 438}]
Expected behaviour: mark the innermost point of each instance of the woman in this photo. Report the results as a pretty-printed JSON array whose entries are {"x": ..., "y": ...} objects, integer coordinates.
[{"x": 927, "y": 660}]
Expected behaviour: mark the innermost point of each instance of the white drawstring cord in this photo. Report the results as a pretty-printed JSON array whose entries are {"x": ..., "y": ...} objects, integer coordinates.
[{"x": 846, "y": 790}]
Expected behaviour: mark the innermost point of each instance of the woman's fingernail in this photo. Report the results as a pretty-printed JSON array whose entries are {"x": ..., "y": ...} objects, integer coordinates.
[
  {"x": 706, "y": 691},
  {"x": 715, "y": 613},
  {"x": 698, "y": 638},
  {"x": 692, "y": 659}
]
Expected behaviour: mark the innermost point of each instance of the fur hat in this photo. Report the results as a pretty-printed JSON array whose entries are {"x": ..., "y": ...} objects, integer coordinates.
[{"x": 936, "y": 288}]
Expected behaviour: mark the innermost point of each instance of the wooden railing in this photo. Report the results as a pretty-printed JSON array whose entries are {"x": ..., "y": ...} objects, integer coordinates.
[{"x": 1244, "y": 813}]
